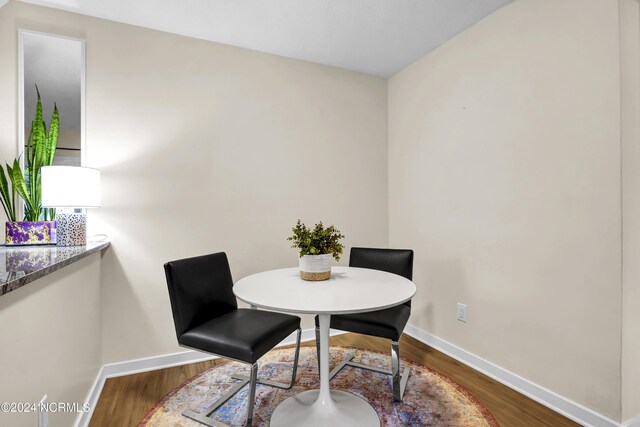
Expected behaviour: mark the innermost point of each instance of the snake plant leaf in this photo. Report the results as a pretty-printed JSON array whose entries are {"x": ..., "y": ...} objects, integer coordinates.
[
  {"x": 52, "y": 136},
  {"x": 39, "y": 142},
  {"x": 36, "y": 196},
  {"x": 17, "y": 180},
  {"x": 4, "y": 185},
  {"x": 38, "y": 117},
  {"x": 29, "y": 147},
  {"x": 9, "y": 170},
  {"x": 49, "y": 214},
  {"x": 40, "y": 146},
  {"x": 27, "y": 174},
  {"x": 13, "y": 190},
  {"x": 38, "y": 131},
  {"x": 7, "y": 200}
]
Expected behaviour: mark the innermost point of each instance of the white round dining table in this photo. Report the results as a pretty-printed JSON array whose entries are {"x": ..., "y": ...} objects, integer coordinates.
[{"x": 349, "y": 290}]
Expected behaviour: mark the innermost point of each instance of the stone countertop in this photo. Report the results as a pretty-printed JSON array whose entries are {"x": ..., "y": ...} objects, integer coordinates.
[{"x": 20, "y": 265}]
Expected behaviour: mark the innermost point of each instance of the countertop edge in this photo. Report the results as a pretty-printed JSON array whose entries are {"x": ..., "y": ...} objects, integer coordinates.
[{"x": 19, "y": 282}]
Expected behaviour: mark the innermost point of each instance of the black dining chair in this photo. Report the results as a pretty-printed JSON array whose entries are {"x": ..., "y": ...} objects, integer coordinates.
[
  {"x": 207, "y": 318},
  {"x": 388, "y": 323}
]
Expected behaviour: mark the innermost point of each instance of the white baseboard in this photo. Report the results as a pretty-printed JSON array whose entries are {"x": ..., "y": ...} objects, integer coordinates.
[
  {"x": 633, "y": 422},
  {"x": 544, "y": 396},
  {"x": 153, "y": 363}
]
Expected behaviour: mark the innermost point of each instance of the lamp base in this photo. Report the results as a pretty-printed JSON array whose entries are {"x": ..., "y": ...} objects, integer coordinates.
[{"x": 71, "y": 229}]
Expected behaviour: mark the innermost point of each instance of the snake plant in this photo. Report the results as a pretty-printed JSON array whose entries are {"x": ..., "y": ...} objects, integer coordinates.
[{"x": 40, "y": 150}]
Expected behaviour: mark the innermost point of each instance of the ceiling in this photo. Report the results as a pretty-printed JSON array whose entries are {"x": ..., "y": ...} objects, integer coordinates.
[{"x": 378, "y": 37}]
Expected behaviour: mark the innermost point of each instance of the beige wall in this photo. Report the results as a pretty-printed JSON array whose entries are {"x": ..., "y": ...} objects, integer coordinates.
[
  {"x": 205, "y": 147},
  {"x": 50, "y": 333},
  {"x": 504, "y": 176},
  {"x": 630, "y": 101}
]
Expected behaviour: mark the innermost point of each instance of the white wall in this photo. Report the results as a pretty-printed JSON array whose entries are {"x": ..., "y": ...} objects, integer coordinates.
[
  {"x": 504, "y": 177},
  {"x": 50, "y": 331},
  {"x": 205, "y": 147}
]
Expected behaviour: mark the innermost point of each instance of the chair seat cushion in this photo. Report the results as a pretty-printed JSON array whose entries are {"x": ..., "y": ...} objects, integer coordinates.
[
  {"x": 388, "y": 323},
  {"x": 241, "y": 334}
]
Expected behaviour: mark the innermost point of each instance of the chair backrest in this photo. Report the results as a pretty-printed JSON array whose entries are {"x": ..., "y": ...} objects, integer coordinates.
[
  {"x": 397, "y": 261},
  {"x": 200, "y": 289}
]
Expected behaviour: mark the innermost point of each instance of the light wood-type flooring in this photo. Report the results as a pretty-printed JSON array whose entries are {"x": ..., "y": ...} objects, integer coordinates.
[{"x": 125, "y": 400}]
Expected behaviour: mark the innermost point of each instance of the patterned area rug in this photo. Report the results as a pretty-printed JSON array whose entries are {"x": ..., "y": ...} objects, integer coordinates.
[{"x": 430, "y": 399}]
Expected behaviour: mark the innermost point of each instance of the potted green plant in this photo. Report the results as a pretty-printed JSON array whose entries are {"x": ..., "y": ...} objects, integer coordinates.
[
  {"x": 38, "y": 226},
  {"x": 317, "y": 246}
]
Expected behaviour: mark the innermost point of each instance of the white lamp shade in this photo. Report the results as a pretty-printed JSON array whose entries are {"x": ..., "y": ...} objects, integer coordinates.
[{"x": 70, "y": 187}]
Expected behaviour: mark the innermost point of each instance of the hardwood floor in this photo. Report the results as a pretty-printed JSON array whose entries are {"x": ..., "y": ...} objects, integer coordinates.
[{"x": 125, "y": 400}]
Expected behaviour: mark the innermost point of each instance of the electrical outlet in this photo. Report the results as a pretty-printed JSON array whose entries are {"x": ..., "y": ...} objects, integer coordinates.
[
  {"x": 462, "y": 312},
  {"x": 43, "y": 414}
]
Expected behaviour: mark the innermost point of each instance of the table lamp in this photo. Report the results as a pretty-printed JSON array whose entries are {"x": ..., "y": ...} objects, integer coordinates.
[{"x": 70, "y": 189}]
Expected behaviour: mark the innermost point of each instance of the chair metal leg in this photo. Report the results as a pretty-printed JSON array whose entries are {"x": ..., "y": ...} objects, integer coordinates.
[
  {"x": 293, "y": 373},
  {"x": 203, "y": 417},
  {"x": 252, "y": 393},
  {"x": 399, "y": 380},
  {"x": 251, "y": 379},
  {"x": 318, "y": 348},
  {"x": 295, "y": 358}
]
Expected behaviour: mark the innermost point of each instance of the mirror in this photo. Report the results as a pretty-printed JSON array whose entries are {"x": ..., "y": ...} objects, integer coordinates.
[{"x": 56, "y": 64}]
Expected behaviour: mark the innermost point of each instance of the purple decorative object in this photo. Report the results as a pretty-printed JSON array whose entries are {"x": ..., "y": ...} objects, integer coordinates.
[{"x": 30, "y": 233}]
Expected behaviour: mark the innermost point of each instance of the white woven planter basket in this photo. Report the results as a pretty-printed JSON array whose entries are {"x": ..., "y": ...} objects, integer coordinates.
[{"x": 315, "y": 267}]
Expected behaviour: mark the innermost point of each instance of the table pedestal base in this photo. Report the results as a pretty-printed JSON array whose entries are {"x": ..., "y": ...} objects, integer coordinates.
[{"x": 304, "y": 409}]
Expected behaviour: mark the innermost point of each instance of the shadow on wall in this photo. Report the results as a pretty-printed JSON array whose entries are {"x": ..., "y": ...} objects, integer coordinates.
[
  {"x": 123, "y": 309},
  {"x": 430, "y": 276}
]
